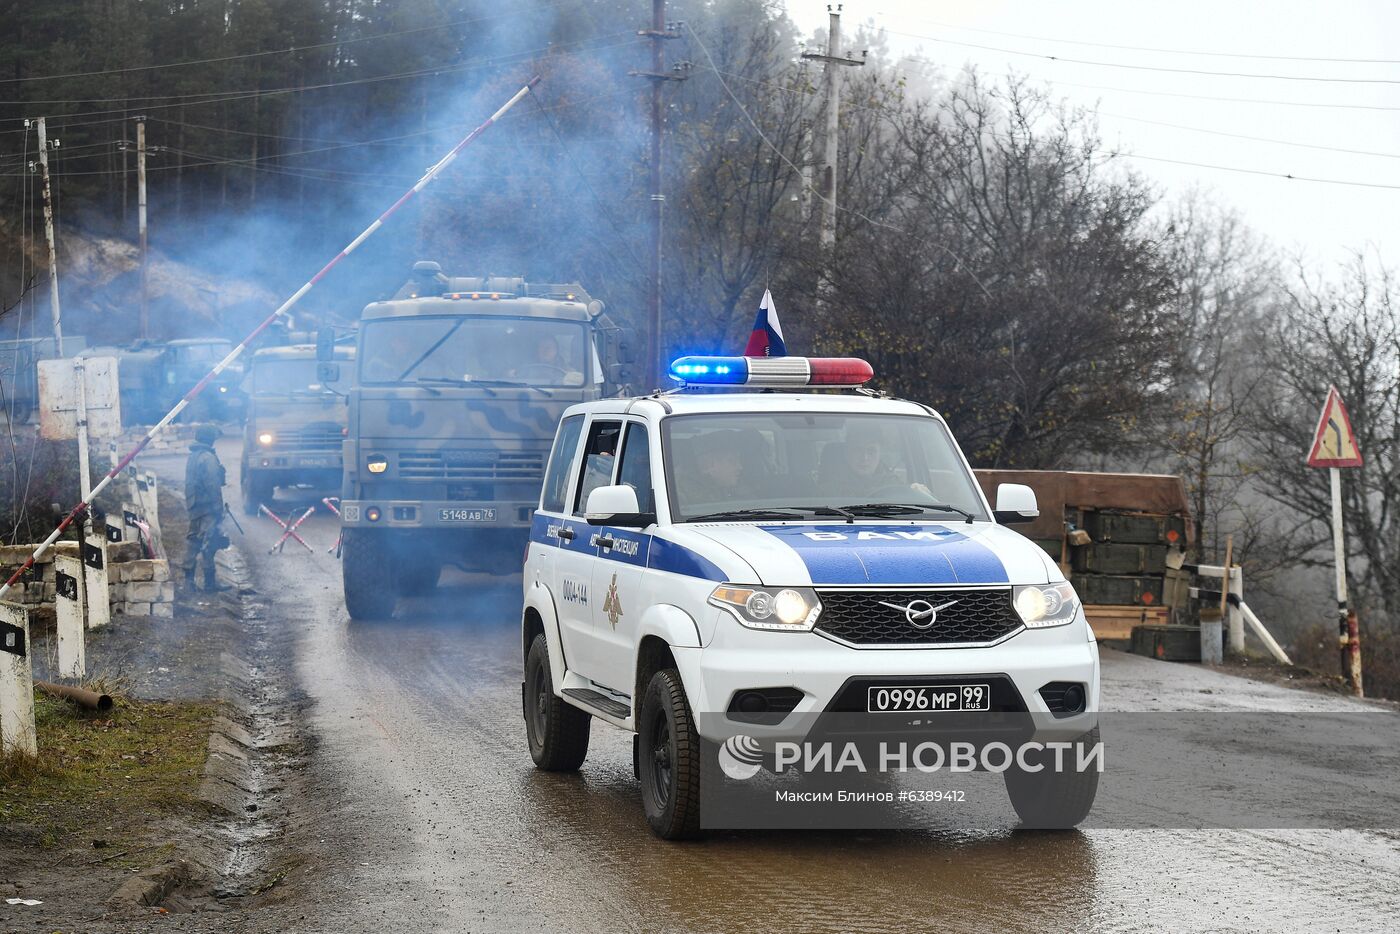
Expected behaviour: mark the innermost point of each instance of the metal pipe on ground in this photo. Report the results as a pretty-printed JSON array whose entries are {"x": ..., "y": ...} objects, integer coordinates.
[{"x": 80, "y": 696}]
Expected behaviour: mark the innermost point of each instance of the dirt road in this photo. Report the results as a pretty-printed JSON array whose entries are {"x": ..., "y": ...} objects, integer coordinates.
[{"x": 426, "y": 812}]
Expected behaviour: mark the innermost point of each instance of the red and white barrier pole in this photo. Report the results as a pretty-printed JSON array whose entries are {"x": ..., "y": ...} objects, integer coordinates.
[{"x": 234, "y": 354}]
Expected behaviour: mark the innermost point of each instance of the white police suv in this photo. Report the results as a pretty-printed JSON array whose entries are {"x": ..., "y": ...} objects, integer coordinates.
[{"x": 761, "y": 555}]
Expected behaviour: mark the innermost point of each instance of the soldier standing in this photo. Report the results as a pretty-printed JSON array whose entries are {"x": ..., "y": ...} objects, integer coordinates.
[{"x": 204, "y": 503}]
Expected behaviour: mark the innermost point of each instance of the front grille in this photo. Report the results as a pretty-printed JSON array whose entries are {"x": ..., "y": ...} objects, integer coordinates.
[
  {"x": 860, "y": 618},
  {"x": 310, "y": 438},
  {"x": 472, "y": 465}
]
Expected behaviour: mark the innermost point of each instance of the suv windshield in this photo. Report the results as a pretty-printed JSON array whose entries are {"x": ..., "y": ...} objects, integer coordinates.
[
  {"x": 492, "y": 351},
  {"x": 809, "y": 463},
  {"x": 282, "y": 377},
  {"x": 204, "y": 353}
]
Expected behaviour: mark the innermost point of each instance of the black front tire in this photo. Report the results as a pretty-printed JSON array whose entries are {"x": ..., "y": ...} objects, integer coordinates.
[
  {"x": 1050, "y": 800},
  {"x": 257, "y": 490},
  {"x": 558, "y": 732},
  {"x": 367, "y": 575},
  {"x": 669, "y": 754}
]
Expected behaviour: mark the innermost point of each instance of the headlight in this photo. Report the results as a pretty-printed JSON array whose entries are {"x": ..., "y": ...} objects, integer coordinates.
[
  {"x": 265, "y": 437},
  {"x": 377, "y": 463},
  {"x": 1041, "y": 606},
  {"x": 223, "y": 389},
  {"x": 786, "y": 608}
]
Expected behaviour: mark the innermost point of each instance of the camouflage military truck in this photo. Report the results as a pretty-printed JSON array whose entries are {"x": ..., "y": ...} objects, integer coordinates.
[
  {"x": 460, "y": 383},
  {"x": 186, "y": 361},
  {"x": 296, "y": 423}
]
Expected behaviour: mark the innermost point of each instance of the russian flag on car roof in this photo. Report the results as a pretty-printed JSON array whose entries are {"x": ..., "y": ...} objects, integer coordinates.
[{"x": 767, "y": 337}]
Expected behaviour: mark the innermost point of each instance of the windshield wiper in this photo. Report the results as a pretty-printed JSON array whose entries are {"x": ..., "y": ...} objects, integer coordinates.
[
  {"x": 431, "y": 350},
  {"x": 448, "y": 381},
  {"x": 906, "y": 509},
  {"x": 739, "y": 514},
  {"x": 419, "y": 383},
  {"x": 513, "y": 383},
  {"x": 827, "y": 511}
]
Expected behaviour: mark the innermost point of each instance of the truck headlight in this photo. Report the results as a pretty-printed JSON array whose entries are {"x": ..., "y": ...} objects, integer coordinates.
[
  {"x": 377, "y": 463},
  {"x": 265, "y": 437},
  {"x": 794, "y": 609},
  {"x": 1041, "y": 606}
]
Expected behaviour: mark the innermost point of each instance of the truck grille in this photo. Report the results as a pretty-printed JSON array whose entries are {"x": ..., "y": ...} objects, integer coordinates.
[
  {"x": 859, "y": 617},
  {"x": 311, "y": 438},
  {"x": 472, "y": 465}
]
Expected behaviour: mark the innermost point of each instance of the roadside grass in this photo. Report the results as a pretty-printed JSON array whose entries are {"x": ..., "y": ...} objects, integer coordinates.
[{"x": 100, "y": 775}]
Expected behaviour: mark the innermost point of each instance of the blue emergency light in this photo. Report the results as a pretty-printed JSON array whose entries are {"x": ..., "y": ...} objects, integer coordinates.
[{"x": 771, "y": 371}]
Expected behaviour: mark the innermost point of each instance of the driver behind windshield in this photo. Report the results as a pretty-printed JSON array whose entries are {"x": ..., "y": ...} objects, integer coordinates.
[
  {"x": 854, "y": 470},
  {"x": 548, "y": 365}
]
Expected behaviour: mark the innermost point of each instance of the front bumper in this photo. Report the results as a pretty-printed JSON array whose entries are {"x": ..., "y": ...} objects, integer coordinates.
[{"x": 739, "y": 659}]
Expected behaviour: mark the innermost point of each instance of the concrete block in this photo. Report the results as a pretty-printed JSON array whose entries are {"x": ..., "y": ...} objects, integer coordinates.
[
  {"x": 143, "y": 591},
  {"x": 140, "y": 570},
  {"x": 167, "y": 591},
  {"x": 160, "y": 569},
  {"x": 134, "y": 608},
  {"x": 163, "y": 610},
  {"x": 123, "y": 551},
  {"x": 50, "y": 591}
]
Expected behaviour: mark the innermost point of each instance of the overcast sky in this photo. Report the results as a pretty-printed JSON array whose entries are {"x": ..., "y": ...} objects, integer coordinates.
[{"x": 1322, "y": 221}]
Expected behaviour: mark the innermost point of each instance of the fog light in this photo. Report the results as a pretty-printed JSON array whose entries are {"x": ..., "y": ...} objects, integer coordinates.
[
  {"x": 265, "y": 437},
  {"x": 1074, "y": 699},
  {"x": 752, "y": 702},
  {"x": 377, "y": 463},
  {"x": 372, "y": 513}
]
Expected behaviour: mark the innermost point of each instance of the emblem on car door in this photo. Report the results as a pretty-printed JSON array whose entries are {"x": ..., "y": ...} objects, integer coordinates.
[
  {"x": 611, "y": 604},
  {"x": 920, "y": 613}
]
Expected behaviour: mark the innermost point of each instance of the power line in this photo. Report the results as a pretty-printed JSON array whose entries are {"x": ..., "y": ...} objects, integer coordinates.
[
  {"x": 1132, "y": 67},
  {"x": 1257, "y": 139},
  {"x": 1166, "y": 51},
  {"x": 195, "y": 98},
  {"x": 337, "y": 43},
  {"x": 1285, "y": 175}
]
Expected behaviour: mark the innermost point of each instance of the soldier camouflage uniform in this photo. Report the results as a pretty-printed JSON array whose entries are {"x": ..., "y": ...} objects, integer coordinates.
[{"x": 204, "y": 503}]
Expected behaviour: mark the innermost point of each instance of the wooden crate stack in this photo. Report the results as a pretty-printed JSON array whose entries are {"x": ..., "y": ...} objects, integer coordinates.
[{"x": 1123, "y": 572}]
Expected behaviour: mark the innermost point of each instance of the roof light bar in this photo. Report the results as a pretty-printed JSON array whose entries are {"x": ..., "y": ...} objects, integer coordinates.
[{"x": 771, "y": 371}]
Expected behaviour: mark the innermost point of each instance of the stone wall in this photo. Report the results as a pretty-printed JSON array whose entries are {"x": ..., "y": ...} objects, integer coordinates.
[{"x": 136, "y": 586}]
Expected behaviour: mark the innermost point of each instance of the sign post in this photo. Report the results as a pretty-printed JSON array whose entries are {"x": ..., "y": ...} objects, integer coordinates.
[
  {"x": 17, "y": 732},
  {"x": 68, "y": 607},
  {"x": 1334, "y": 447}
]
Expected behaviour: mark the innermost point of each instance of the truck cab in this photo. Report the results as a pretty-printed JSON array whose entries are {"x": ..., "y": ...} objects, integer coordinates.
[
  {"x": 459, "y": 385},
  {"x": 295, "y": 427},
  {"x": 186, "y": 361}
]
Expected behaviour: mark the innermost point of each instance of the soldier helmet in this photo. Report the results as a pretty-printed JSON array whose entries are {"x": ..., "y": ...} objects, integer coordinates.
[{"x": 206, "y": 434}]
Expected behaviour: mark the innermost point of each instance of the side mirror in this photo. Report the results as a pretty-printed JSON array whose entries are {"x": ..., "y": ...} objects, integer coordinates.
[
  {"x": 327, "y": 373},
  {"x": 325, "y": 344},
  {"x": 1016, "y": 503},
  {"x": 616, "y": 505},
  {"x": 626, "y": 346}
]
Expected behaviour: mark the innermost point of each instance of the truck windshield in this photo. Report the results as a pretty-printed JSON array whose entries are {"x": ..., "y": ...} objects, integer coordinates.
[
  {"x": 489, "y": 350},
  {"x": 283, "y": 377},
  {"x": 879, "y": 466},
  {"x": 204, "y": 353}
]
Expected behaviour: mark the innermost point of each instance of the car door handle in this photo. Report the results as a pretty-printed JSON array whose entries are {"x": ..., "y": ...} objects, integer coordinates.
[
  {"x": 566, "y": 533},
  {"x": 607, "y": 541}
]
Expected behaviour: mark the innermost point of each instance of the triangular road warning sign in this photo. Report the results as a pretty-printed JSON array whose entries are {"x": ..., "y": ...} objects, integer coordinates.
[{"x": 1334, "y": 443}]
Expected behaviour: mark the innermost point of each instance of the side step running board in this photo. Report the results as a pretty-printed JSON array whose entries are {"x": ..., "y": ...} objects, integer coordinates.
[{"x": 609, "y": 706}]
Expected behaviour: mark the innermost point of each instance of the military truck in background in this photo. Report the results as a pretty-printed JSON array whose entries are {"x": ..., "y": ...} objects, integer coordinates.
[
  {"x": 152, "y": 376},
  {"x": 19, "y": 372},
  {"x": 295, "y": 426},
  {"x": 460, "y": 383}
]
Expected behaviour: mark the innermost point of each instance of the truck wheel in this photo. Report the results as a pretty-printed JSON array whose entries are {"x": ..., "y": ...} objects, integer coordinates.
[
  {"x": 418, "y": 577},
  {"x": 558, "y": 732},
  {"x": 367, "y": 574},
  {"x": 669, "y": 758},
  {"x": 1050, "y": 800},
  {"x": 257, "y": 490}
]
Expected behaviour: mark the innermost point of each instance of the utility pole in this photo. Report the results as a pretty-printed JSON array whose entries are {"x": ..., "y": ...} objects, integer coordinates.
[
  {"x": 659, "y": 32},
  {"x": 141, "y": 215},
  {"x": 834, "y": 61},
  {"x": 48, "y": 235}
]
